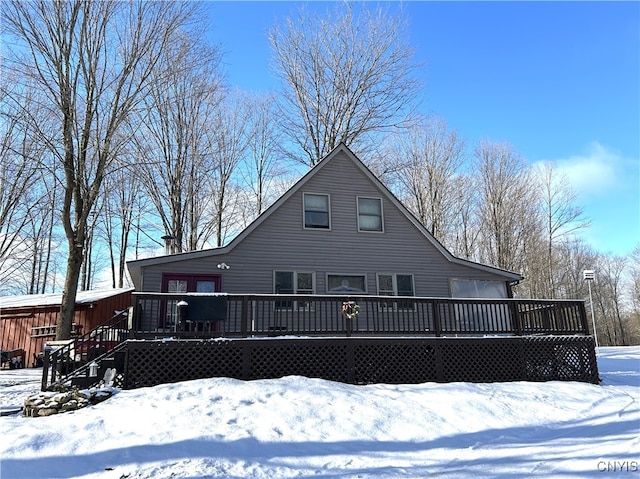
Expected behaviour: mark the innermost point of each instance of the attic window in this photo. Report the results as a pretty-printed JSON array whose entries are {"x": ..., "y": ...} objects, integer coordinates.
[
  {"x": 369, "y": 214},
  {"x": 316, "y": 211}
]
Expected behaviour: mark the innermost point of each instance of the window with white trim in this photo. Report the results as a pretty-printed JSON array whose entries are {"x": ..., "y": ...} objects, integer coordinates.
[
  {"x": 394, "y": 284},
  {"x": 346, "y": 283},
  {"x": 316, "y": 211},
  {"x": 370, "y": 214},
  {"x": 293, "y": 282}
]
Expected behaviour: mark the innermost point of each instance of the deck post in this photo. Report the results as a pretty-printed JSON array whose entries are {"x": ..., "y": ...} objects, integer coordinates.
[
  {"x": 348, "y": 326},
  {"x": 244, "y": 317},
  {"x": 584, "y": 322},
  {"x": 136, "y": 317},
  {"x": 517, "y": 323},
  {"x": 435, "y": 306},
  {"x": 45, "y": 369}
]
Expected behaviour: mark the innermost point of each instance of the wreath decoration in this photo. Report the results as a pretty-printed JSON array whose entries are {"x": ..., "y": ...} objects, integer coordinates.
[{"x": 350, "y": 309}]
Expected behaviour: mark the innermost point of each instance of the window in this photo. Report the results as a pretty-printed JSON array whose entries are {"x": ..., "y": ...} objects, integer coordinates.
[
  {"x": 293, "y": 282},
  {"x": 304, "y": 283},
  {"x": 186, "y": 282},
  {"x": 481, "y": 317},
  {"x": 176, "y": 286},
  {"x": 391, "y": 284},
  {"x": 473, "y": 288},
  {"x": 316, "y": 211},
  {"x": 369, "y": 214},
  {"x": 346, "y": 283}
]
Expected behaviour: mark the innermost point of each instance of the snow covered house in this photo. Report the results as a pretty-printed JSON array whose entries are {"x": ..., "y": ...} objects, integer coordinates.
[
  {"x": 338, "y": 230},
  {"x": 348, "y": 285}
]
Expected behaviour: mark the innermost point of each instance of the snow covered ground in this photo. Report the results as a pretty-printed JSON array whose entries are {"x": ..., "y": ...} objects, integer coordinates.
[{"x": 300, "y": 427}]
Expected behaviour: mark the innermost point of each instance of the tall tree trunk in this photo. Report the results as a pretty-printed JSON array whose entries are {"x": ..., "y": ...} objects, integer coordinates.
[
  {"x": 67, "y": 307},
  {"x": 66, "y": 49}
]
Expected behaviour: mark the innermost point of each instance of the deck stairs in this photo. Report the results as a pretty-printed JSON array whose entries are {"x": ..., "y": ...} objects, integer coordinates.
[{"x": 83, "y": 361}]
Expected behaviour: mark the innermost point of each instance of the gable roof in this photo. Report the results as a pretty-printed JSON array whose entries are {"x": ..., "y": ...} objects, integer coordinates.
[{"x": 136, "y": 265}]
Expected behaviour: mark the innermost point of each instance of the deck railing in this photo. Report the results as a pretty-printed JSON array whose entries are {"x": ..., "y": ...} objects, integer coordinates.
[
  {"x": 71, "y": 357},
  {"x": 164, "y": 315},
  {"x": 234, "y": 315}
]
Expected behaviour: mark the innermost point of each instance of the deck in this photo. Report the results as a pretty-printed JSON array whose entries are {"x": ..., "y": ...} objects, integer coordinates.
[{"x": 174, "y": 337}]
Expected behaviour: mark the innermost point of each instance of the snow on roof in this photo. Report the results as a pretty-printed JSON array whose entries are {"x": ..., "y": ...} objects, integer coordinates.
[{"x": 53, "y": 299}]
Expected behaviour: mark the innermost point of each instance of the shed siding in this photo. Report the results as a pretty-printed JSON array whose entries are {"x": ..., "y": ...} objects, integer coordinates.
[
  {"x": 16, "y": 323},
  {"x": 282, "y": 243}
]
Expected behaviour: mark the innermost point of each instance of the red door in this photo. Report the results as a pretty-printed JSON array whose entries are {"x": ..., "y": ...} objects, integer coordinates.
[
  {"x": 191, "y": 283},
  {"x": 185, "y": 283}
]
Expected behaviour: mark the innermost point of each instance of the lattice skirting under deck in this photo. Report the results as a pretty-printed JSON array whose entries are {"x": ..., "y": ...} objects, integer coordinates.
[{"x": 364, "y": 360}]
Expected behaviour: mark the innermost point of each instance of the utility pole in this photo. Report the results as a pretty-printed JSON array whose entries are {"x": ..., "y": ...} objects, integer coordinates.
[{"x": 589, "y": 275}]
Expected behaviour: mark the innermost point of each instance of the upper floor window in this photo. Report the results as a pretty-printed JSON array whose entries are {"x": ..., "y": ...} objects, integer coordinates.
[
  {"x": 369, "y": 214},
  {"x": 316, "y": 211}
]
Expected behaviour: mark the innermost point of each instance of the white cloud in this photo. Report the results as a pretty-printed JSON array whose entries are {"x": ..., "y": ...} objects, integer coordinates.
[
  {"x": 598, "y": 171},
  {"x": 608, "y": 186}
]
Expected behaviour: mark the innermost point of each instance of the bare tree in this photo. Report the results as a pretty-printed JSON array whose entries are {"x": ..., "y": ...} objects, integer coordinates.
[
  {"x": 634, "y": 294},
  {"x": 170, "y": 138},
  {"x": 345, "y": 76},
  {"x": 574, "y": 256},
  {"x": 42, "y": 221},
  {"x": 20, "y": 171},
  {"x": 508, "y": 205},
  {"x": 144, "y": 229},
  {"x": 94, "y": 60},
  {"x": 466, "y": 227},
  {"x": 228, "y": 143},
  {"x": 121, "y": 193},
  {"x": 609, "y": 298},
  {"x": 429, "y": 158},
  {"x": 561, "y": 218},
  {"x": 263, "y": 163}
]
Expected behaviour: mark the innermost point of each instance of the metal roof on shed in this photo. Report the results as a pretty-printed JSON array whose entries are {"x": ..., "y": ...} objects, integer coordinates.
[{"x": 54, "y": 299}]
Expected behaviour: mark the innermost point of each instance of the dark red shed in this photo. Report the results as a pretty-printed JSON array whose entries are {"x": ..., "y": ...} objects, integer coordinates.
[{"x": 29, "y": 321}]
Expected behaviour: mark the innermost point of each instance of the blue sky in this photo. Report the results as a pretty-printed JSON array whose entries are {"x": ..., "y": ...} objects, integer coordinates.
[{"x": 560, "y": 81}]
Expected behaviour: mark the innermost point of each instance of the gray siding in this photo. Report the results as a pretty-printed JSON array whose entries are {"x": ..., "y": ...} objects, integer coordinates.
[{"x": 281, "y": 243}]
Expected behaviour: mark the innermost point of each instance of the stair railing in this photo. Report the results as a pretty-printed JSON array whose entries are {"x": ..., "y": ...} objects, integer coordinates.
[{"x": 63, "y": 361}]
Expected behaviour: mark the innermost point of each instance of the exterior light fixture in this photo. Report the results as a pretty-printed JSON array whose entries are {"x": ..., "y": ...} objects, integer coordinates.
[
  {"x": 93, "y": 369},
  {"x": 223, "y": 266},
  {"x": 589, "y": 275}
]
